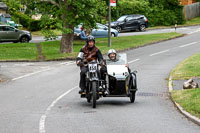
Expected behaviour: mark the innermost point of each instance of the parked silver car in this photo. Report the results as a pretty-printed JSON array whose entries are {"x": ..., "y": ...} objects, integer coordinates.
[
  {"x": 100, "y": 32},
  {"x": 11, "y": 34}
]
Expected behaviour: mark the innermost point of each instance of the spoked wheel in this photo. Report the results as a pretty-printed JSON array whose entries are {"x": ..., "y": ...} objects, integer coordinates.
[
  {"x": 133, "y": 86},
  {"x": 132, "y": 96},
  {"x": 94, "y": 94}
]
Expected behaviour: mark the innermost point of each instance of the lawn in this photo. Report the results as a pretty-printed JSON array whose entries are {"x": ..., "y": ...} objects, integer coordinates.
[
  {"x": 50, "y": 50},
  {"x": 188, "y": 99},
  {"x": 188, "y": 68}
]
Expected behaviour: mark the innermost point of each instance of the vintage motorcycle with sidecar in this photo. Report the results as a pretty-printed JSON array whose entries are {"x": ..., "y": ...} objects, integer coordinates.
[{"x": 118, "y": 81}]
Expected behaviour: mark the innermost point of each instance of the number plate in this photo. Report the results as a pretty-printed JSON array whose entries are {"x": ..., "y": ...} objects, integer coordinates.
[{"x": 92, "y": 67}]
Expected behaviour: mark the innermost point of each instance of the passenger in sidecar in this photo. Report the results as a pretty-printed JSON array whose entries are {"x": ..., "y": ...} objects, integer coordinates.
[{"x": 119, "y": 79}]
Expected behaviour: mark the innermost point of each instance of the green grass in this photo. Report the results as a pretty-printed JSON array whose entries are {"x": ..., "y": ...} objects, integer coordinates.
[
  {"x": 194, "y": 21},
  {"x": 189, "y": 100},
  {"x": 51, "y": 49},
  {"x": 18, "y": 51},
  {"x": 188, "y": 68}
]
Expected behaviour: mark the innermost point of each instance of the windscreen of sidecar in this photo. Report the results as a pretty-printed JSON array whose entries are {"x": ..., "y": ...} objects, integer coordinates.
[{"x": 121, "y": 59}]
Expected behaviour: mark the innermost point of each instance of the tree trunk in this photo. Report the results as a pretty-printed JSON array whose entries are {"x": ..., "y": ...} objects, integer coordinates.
[{"x": 66, "y": 44}]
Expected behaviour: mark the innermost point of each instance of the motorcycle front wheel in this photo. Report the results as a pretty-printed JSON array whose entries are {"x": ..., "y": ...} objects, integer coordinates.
[{"x": 94, "y": 93}]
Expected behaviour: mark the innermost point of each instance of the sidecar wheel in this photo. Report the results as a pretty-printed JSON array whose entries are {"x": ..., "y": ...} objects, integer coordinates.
[
  {"x": 132, "y": 96},
  {"x": 94, "y": 93}
]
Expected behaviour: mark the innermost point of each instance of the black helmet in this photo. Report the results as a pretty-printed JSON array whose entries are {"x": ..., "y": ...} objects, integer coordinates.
[{"x": 90, "y": 38}]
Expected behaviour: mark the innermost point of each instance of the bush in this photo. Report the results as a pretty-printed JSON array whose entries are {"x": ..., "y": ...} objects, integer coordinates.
[
  {"x": 158, "y": 12},
  {"x": 27, "y": 22}
]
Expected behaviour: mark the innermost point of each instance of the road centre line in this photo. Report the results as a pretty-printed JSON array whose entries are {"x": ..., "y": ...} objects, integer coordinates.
[
  {"x": 194, "y": 31},
  {"x": 44, "y": 116},
  {"x": 30, "y": 74},
  {"x": 67, "y": 63},
  {"x": 187, "y": 44},
  {"x": 159, "y": 52},
  {"x": 46, "y": 69},
  {"x": 133, "y": 61}
]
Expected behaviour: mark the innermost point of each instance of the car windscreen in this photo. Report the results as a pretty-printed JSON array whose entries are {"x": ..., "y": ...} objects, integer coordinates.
[
  {"x": 101, "y": 26},
  {"x": 121, "y": 59},
  {"x": 121, "y": 18}
]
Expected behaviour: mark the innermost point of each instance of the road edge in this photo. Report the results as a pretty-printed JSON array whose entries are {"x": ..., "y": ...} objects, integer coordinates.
[{"x": 191, "y": 117}]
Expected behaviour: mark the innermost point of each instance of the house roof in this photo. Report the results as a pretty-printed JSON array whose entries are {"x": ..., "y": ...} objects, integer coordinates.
[
  {"x": 7, "y": 15},
  {"x": 3, "y": 6}
]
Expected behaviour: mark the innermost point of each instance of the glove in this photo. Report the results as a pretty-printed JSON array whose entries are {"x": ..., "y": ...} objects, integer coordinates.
[{"x": 79, "y": 63}]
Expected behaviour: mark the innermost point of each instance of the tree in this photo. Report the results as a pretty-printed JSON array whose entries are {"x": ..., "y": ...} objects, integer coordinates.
[
  {"x": 69, "y": 14},
  {"x": 13, "y": 5}
]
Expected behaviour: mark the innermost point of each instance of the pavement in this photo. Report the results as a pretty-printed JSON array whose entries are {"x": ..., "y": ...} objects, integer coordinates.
[{"x": 178, "y": 84}]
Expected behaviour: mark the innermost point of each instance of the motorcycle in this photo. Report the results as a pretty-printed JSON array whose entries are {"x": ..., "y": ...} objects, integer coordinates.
[{"x": 118, "y": 81}]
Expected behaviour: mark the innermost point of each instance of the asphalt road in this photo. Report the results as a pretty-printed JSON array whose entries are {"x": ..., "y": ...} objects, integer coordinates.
[{"x": 43, "y": 97}]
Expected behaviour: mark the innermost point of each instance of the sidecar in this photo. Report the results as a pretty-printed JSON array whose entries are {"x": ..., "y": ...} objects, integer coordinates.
[{"x": 120, "y": 81}]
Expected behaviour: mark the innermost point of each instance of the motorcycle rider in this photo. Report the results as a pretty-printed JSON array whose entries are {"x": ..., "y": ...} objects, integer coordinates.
[{"x": 88, "y": 53}]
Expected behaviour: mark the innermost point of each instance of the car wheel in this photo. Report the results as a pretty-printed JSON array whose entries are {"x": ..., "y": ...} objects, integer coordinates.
[
  {"x": 24, "y": 39},
  {"x": 119, "y": 29},
  {"x": 142, "y": 28},
  {"x": 113, "y": 34}
]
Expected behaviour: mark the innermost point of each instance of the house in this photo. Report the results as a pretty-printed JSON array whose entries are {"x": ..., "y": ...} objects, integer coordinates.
[
  {"x": 3, "y": 8},
  {"x": 187, "y": 2},
  {"x": 4, "y": 16}
]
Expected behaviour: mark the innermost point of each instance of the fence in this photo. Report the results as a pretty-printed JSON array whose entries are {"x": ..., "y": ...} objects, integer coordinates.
[{"x": 191, "y": 11}]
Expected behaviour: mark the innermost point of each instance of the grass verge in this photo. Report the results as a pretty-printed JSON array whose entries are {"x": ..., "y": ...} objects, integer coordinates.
[
  {"x": 190, "y": 67},
  {"x": 50, "y": 50},
  {"x": 188, "y": 99}
]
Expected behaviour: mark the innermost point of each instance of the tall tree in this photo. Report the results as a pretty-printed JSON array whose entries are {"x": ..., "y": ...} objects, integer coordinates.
[{"x": 69, "y": 13}]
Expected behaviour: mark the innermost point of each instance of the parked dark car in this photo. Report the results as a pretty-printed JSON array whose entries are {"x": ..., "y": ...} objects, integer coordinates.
[
  {"x": 11, "y": 34},
  {"x": 131, "y": 22}
]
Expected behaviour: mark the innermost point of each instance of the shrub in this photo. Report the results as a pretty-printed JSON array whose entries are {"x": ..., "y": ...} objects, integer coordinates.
[
  {"x": 158, "y": 12},
  {"x": 27, "y": 22}
]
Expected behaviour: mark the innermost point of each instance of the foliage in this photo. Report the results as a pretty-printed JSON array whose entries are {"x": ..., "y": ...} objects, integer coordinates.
[
  {"x": 49, "y": 35},
  {"x": 26, "y": 21},
  {"x": 158, "y": 12},
  {"x": 13, "y": 5}
]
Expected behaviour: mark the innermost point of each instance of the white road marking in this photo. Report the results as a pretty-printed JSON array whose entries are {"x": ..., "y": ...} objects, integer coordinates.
[
  {"x": 159, "y": 52},
  {"x": 198, "y": 30},
  {"x": 187, "y": 44},
  {"x": 133, "y": 61},
  {"x": 24, "y": 64},
  {"x": 44, "y": 116},
  {"x": 67, "y": 63},
  {"x": 30, "y": 74},
  {"x": 45, "y": 69}
]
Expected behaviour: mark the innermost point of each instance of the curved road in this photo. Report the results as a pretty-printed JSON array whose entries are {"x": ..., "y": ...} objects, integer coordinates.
[{"x": 47, "y": 100}]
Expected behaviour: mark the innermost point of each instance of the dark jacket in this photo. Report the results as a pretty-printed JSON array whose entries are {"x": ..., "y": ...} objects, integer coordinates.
[{"x": 90, "y": 54}]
